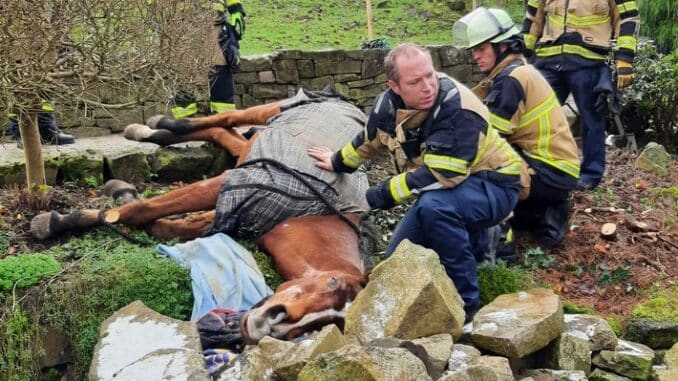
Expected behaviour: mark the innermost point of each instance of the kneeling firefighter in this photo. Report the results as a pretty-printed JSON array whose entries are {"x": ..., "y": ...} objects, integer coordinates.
[
  {"x": 228, "y": 29},
  {"x": 524, "y": 110}
]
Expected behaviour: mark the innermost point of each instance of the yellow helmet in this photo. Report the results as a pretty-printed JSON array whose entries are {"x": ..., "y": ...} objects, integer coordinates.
[{"x": 483, "y": 25}]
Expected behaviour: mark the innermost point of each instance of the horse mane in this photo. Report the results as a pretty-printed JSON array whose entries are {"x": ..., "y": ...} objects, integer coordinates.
[{"x": 368, "y": 243}]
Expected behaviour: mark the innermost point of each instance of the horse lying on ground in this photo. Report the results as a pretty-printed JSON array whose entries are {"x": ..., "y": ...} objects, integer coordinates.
[{"x": 309, "y": 221}]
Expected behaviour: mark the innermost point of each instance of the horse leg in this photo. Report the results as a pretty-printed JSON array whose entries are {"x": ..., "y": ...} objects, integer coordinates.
[
  {"x": 257, "y": 115},
  {"x": 228, "y": 139},
  {"x": 199, "y": 196},
  {"x": 192, "y": 226}
]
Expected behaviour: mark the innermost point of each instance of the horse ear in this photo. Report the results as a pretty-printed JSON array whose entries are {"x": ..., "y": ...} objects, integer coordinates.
[{"x": 333, "y": 284}]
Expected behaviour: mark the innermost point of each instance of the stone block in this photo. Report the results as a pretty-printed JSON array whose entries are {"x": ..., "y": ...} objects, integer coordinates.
[
  {"x": 286, "y": 71},
  {"x": 246, "y": 78},
  {"x": 306, "y": 68}
]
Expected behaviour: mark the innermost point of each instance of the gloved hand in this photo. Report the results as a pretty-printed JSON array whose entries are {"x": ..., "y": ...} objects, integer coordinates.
[
  {"x": 378, "y": 198},
  {"x": 237, "y": 19},
  {"x": 601, "y": 103},
  {"x": 624, "y": 74}
]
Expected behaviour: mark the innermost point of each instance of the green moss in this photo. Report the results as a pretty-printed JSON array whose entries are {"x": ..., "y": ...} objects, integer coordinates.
[
  {"x": 661, "y": 306},
  {"x": 17, "y": 349},
  {"x": 571, "y": 308},
  {"x": 26, "y": 270},
  {"x": 500, "y": 279},
  {"x": 616, "y": 324}
]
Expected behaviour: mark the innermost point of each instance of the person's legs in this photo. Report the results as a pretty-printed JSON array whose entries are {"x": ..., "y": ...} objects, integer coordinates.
[
  {"x": 552, "y": 210},
  {"x": 581, "y": 82},
  {"x": 222, "y": 89},
  {"x": 557, "y": 81},
  {"x": 50, "y": 133},
  {"x": 452, "y": 222}
]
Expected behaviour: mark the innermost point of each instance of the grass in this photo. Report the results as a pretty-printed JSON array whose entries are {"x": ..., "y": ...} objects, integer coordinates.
[{"x": 317, "y": 24}]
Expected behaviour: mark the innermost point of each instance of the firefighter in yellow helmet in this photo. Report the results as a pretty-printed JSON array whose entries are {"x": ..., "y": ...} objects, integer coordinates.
[
  {"x": 227, "y": 32},
  {"x": 524, "y": 109},
  {"x": 465, "y": 177},
  {"x": 571, "y": 40}
]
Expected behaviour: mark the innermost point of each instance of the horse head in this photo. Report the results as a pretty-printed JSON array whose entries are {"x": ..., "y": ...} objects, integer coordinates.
[{"x": 302, "y": 305}]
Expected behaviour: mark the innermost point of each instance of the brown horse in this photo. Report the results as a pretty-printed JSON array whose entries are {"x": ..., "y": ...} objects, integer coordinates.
[{"x": 309, "y": 221}]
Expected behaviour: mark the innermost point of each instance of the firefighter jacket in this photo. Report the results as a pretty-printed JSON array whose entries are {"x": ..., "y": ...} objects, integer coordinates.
[
  {"x": 524, "y": 109},
  {"x": 432, "y": 149},
  {"x": 581, "y": 28}
]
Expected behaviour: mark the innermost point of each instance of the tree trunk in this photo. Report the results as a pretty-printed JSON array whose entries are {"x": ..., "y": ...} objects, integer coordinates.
[
  {"x": 475, "y": 4},
  {"x": 35, "y": 167},
  {"x": 368, "y": 8}
]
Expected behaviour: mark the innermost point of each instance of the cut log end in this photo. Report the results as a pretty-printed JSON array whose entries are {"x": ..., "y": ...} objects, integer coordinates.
[
  {"x": 609, "y": 230},
  {"x": 112, "y": 217}
]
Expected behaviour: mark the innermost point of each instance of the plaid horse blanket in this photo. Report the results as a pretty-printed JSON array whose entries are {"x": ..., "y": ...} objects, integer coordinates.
[{"x": 281, "y": 180}]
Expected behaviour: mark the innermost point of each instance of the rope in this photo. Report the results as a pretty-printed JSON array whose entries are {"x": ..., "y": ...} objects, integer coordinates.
[
  {"x": 313, "y": 189},
  {"x": 115, "y": 229}
]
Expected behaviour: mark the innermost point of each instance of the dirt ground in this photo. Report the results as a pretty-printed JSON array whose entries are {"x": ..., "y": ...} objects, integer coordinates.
[{"x": 610, "y": 274}]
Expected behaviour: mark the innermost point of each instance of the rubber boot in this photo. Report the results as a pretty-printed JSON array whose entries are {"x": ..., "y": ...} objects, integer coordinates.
[
  {"x": 50, "y": 132},
  {"x": 13, "y": 126},
  {"x": 555, "y": 224}
]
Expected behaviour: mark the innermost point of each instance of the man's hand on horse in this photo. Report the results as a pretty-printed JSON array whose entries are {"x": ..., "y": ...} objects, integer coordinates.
[{"x": 323, "y": 157}]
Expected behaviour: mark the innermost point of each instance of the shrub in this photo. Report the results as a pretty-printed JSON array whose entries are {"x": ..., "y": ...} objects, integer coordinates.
[
  {"x": 652, "y": 101},
  {"x": 657, "y": 21},
  {"x": 26, "y": 270}
]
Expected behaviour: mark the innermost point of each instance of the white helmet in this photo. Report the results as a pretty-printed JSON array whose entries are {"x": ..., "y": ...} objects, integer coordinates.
[{"x": 483, "y": 25}]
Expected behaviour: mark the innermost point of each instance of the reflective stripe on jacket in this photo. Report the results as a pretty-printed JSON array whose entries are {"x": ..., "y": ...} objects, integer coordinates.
[
  {"x": 581, "y": 27},
  {"x": 433, "y": 149},
  {"x": 524, "y": 109}
]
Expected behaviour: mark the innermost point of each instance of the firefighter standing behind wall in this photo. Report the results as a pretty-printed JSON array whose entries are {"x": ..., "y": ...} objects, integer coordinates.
[
  {"x": 571, "y": 40},
  {"x": 524, "y": 110},
  {"x": 466, "y": 177},
  {"x": 228, "y": 29}
]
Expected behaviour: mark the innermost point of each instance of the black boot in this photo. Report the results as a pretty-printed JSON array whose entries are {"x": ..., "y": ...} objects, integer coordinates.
[
  {"x": 555, "y": 224},
  {"x": 13, "y": 126},
  {"x": 50, "y": 132}
]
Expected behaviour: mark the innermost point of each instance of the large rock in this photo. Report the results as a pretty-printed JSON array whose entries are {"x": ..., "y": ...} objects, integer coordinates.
[
  {"x": 654, "y": 334},
  {"x": 185, "y": 163},
  {"x": 434, "y": 351},
  {"x": 469, "y": 366},
  {"x": 555, "y": 375},
  {"x": 348, "y": 363},
  {"x": 603, "y": 375},
  {"x": 327, "y": 340},
  {"x": 251, "y": 365},
  {"x": 671, "y": 357},
  {"x": 137, "y": 343},
  {"x": 655, "y": 159},
  {"x": 129, "y": 165},
  {"x": 423, "y": 303},
  {"x": 275, "y": 349},
  {"x": 516, "y": 325},
  {"x": 569, "y": 352},
  {"x": 629, "y": 359},
  {"x": 594, "y": 329},
  {"x": 398, "y": 364}
]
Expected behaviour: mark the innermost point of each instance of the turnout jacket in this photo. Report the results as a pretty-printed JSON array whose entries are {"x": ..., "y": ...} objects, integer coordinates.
[
  {"x": 582, "y": 29},
  {"x": 432, "y": 149},
  {"x": 524, "y": 109}
]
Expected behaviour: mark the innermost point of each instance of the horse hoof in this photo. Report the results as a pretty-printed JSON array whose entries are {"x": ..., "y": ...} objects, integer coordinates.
[
  {"x": 41, "y": 225},
  {"x": 153, "y": 121},
  {"x": 120, "y": 191},
  {"x": 138, "y": 132}
]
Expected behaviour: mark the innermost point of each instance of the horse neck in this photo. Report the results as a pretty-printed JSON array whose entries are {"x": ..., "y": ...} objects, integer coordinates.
[{"x": 306, "y": 246}]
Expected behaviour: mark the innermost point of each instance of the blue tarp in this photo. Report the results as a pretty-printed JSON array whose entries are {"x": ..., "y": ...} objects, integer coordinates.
[{"x": 223, "y": 273}]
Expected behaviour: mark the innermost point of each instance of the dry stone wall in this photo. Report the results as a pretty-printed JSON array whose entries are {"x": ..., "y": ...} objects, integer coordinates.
[{"x": 356, "y": 74}]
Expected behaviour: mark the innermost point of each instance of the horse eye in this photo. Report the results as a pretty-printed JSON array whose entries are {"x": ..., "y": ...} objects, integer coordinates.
[{"x": 333, "y": 283}]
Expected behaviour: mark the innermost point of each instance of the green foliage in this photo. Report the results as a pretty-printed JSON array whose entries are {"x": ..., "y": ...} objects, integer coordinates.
[
  {"x": 535, "y": 258},
  {"x": 613, "y": 276},
  {"x": 571, "y": 308},
  {"x": 111, "y": 274},
  {"x": 26, "y": 270},
  {"x": 661, "y": 306},
  {"x": 500, "y": 279},
  {"x": 265, "y": 264},
  {"x": 17, "y": 349},
  {"x": 671, "y": 192},
  {"x": 658, "y": 21},
  {"x": 652, "y": 100}
]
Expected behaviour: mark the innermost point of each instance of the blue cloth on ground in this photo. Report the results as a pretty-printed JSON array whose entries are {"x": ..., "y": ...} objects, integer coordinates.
[{"x": 223, "y": 273}]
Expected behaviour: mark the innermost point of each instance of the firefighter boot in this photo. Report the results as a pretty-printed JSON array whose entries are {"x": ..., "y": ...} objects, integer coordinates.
[
  {"x": 13, "y": 126},
  {"x": 50, "y": 132},
  {"x": 555, "y": 224}
]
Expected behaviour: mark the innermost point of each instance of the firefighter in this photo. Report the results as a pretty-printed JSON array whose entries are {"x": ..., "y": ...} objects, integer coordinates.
[
  {"x": 47, "y": 127},
  {"x": 466, "y": 177},
  {"x": 227, "y": 31},
  {"x": 525, "y": 111},
  {"x": 570, "y": 41}
]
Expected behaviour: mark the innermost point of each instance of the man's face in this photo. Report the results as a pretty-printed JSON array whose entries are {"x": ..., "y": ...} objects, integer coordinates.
[
  {"x": 418, "y": 83},
  {"x": 485, "y": 57}
]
